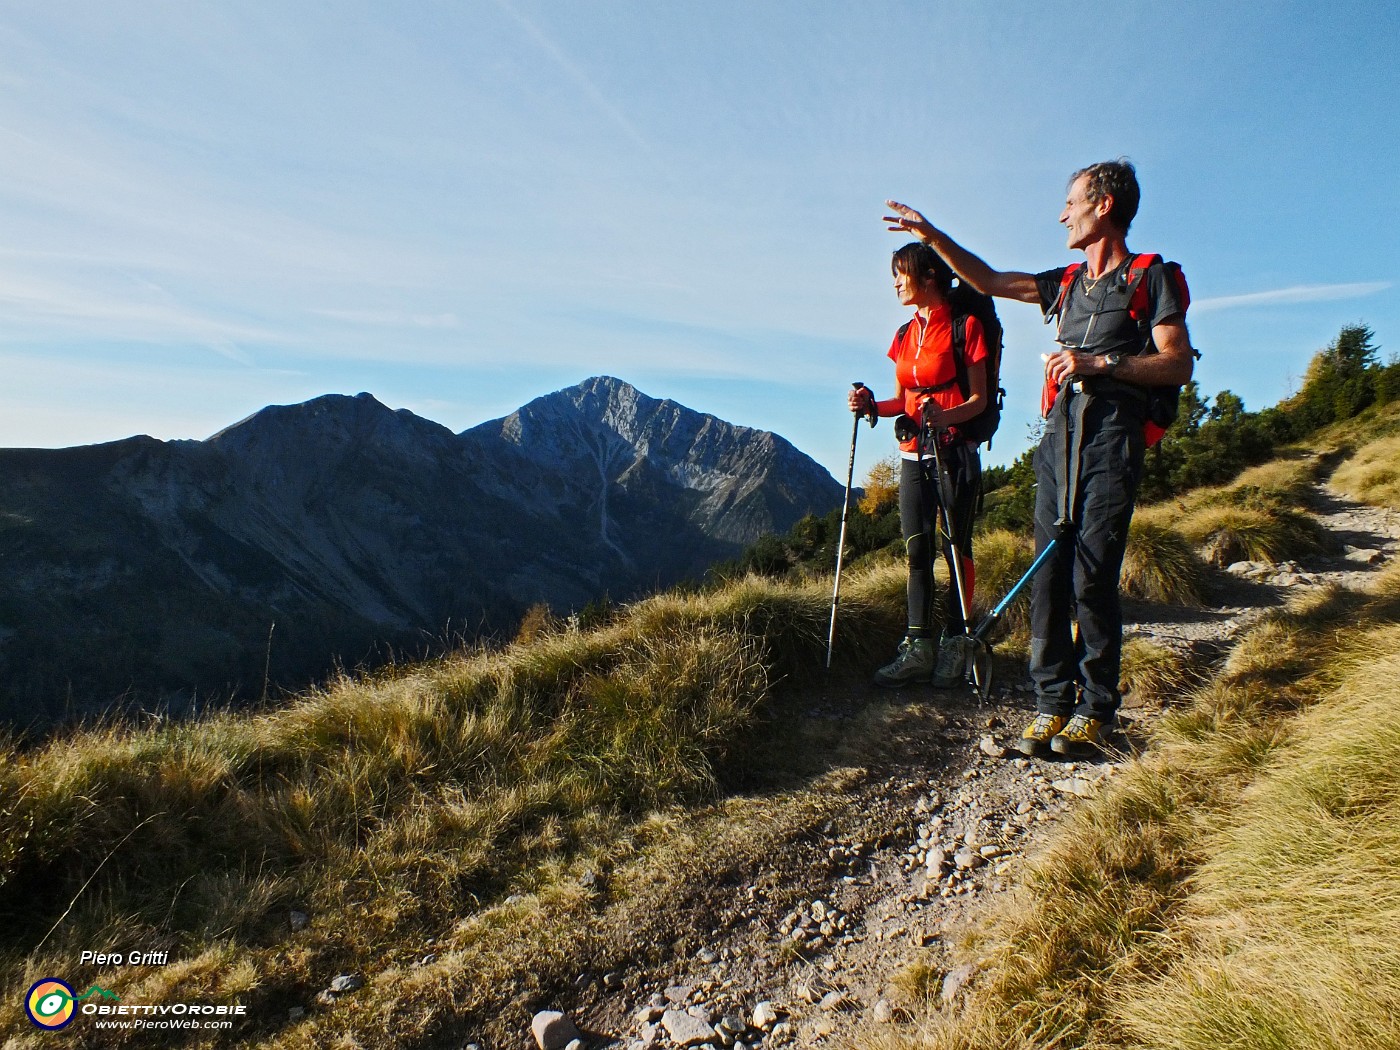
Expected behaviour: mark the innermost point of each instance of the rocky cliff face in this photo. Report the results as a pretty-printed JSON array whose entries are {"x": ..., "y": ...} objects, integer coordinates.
[
  {"x": 339, "y": 530},
  {"x": 647, "y": 464}
]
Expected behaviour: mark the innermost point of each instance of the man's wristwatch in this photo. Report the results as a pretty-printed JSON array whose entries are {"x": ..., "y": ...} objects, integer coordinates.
[{"x": 1111, "y": 362}]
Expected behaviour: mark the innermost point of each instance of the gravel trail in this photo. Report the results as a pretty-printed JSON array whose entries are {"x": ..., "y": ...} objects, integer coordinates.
[{"x": 824, "y": 941}]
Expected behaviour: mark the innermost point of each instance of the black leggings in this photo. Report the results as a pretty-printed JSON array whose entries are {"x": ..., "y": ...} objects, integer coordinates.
[{"x": 918, "y": 520}]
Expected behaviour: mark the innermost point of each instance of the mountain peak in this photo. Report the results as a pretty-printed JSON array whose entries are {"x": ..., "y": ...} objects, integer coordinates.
[
  {"x": 336, "y": 419},
  {"x": 333, "y": 405},
  {"x": 591, "y": 394}
]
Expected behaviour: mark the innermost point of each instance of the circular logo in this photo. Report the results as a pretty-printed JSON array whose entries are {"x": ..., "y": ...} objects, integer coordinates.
[{"x": 49, "y": 1003}]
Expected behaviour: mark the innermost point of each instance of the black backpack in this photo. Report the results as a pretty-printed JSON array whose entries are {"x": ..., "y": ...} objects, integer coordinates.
[{"x": 966, "y": 301}]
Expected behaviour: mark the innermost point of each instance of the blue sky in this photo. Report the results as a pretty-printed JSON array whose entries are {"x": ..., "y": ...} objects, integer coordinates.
[{"x": 458, "y": 206}]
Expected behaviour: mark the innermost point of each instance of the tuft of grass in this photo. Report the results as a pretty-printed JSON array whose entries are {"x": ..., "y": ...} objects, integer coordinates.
[
  {"x": 1257, "y": 517},
  {"x": 918, "y": 982},
  {"x": 1371, "y": 475},
  {"x": 1227, "y": 533},
  {"x": 1161, "y": 566},
  {"x": 1155, "y": 673},
  {"x": 1283, "y": 482},
  {"x": 1002, "y": 558}
]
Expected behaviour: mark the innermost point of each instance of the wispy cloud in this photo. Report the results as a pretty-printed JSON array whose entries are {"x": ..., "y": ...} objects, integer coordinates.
[
  {"x": 36, "y": 304},
  {"x": 390, "y": 318},
  {"x": 576, "y": 74},
  {"x": 1303, "y": 293}
]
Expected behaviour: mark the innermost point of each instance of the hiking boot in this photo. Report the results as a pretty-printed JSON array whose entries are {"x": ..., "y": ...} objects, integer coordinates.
[
  {"x": 1082, "y": 736},
  {"x": 951, "y": 662},
  {"x": 1040, "y": 732},
  {"x": 914, "y": 663}
]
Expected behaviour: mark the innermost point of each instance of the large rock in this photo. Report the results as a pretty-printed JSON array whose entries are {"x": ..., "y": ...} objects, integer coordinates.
[
  {"x": 553, "y": 1030},
  {"x": 685, "y": 1029}
]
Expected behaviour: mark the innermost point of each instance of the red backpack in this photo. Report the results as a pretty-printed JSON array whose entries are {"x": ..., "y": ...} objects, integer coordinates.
[{"x": 1161, "y": 400}]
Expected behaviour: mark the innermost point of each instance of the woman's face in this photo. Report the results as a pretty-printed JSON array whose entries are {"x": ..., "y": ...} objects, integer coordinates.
[{"x": 912, "y": 292}]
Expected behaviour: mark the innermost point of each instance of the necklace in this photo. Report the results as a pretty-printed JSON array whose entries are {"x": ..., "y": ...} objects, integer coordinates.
[
  {"x": 1090, "y": 283},
  {"x": 1096, "y": 309}
]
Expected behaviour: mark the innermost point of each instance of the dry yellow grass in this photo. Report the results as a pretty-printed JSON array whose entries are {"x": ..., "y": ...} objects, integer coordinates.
[
  {"x": 1161, "y": 566},
  {"x": 1289, "y": 938},
  {"x": 1372, "y": 475},
  {"x": 1253, "y": 841},
  {"x": 392, "y": 806}
]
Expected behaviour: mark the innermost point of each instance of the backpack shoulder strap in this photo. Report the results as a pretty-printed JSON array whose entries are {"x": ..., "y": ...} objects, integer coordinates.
[
  {"x": 1066, "y": 281},
  {"x": 1138, "y": 306},
  {"x": 960, "y": 353},
  {"x": 1137, "y": 284}
]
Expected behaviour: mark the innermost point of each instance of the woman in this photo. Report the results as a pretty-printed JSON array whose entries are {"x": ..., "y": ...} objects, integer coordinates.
[{"x": 929, "y": 388}]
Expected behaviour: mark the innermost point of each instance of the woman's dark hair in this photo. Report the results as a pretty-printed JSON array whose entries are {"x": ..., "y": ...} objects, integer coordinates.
[{"x": 917, "y": 260}]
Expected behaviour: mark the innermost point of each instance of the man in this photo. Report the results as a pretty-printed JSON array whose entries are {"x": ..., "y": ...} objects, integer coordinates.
[{"x": 1090, "y": 458}]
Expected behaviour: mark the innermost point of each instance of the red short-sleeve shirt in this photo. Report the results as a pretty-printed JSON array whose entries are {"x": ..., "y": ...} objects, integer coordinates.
[{"x": 922, "y": 353}]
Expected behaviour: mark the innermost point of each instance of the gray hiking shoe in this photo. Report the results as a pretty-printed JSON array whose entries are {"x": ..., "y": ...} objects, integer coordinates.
[
  {"x": 914, "y": 663},
  {"x": 952, "y": 662}
]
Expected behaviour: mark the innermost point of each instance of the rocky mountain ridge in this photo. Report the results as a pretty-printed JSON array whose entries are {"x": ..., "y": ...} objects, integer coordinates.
[{"x": 337, "y": 529}]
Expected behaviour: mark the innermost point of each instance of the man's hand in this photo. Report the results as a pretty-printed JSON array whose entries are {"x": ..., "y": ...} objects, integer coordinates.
[
  {"x": 1064, "y": 365},
  {"x": 1171, "y": 364},
  {"x": 907, "y": 220},
  {"x": 1006, "y": 284}
]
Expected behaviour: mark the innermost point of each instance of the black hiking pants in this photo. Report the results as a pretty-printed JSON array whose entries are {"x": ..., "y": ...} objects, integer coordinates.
[
  {"x": 918, "y": 519},
  {"x": 1079, "y": 674}
]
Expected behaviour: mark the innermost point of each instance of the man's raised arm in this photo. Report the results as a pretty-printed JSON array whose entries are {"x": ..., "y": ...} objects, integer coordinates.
[{"x": 1005, "y": 284}]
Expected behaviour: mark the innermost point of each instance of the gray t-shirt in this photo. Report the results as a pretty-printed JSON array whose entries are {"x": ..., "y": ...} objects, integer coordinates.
[{"x": 1095, "y": 318}]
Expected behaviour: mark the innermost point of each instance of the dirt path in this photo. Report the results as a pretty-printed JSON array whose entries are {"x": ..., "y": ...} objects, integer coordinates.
[{"x": 930, "y": 831}]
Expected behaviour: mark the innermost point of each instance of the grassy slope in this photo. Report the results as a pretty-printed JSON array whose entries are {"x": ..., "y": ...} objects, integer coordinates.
[
  {"x": 449, "y": 810},
  {"x": 1240, "y": 884},
  {"x": 404, "y": 811}
]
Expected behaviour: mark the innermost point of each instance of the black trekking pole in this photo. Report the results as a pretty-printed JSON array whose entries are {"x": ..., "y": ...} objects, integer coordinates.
[
  {"x": 977, "y": 670},
  {"x": 845, "y": 510}
]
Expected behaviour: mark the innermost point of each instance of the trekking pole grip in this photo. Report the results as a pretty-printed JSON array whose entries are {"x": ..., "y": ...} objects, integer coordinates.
[{"x": 870, "y": 413}]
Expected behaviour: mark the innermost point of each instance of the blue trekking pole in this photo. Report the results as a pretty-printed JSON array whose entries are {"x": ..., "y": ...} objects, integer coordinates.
[
  {"x": 845, "y": 510},
  {"x": 981, "y": 652}
]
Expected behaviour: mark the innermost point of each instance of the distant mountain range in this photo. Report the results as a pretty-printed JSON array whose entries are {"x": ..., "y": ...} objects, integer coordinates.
[{"x": 339, "y": 530}]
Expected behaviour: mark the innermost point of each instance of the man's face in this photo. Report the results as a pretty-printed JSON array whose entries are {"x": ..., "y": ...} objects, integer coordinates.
[{"x": 1085, "y": 222}]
